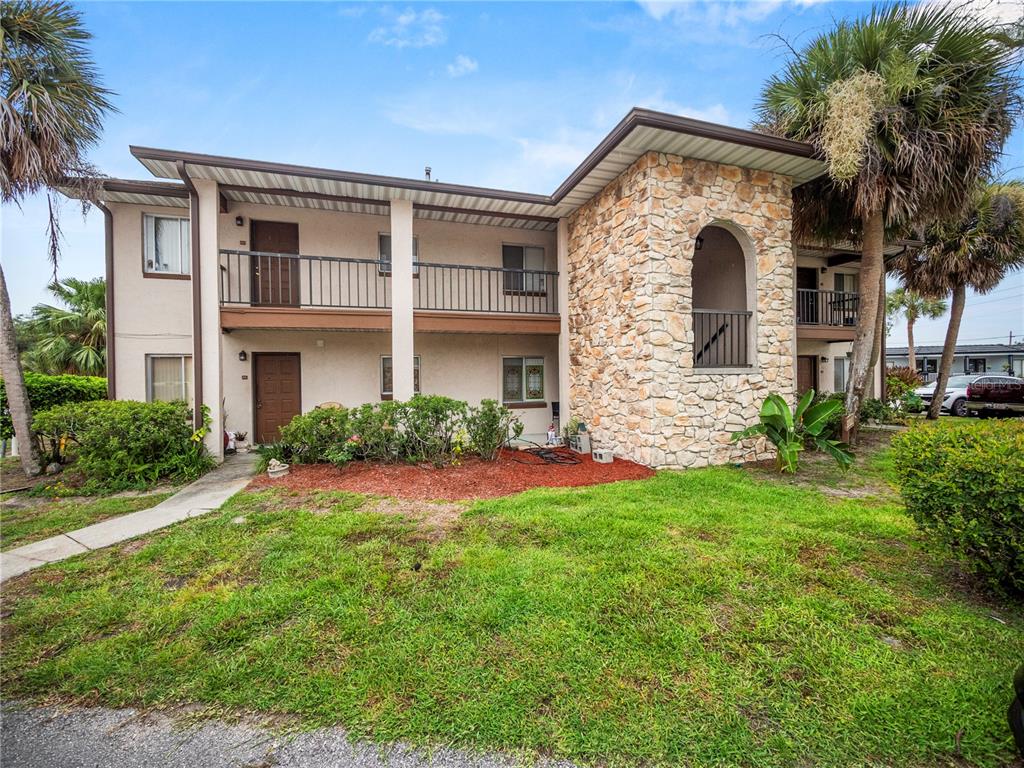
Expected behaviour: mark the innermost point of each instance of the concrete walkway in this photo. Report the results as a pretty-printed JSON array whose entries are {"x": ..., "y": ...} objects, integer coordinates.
[
  {"x": 46, "y": 737},
  {"x": 204, "y": 495}
]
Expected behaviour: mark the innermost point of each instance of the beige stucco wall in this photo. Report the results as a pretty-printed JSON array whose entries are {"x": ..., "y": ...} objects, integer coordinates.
[
  {"x": 345, "y": 368},
  {"x": 630, "y": 301},
  {"x": 151, "y": 315},
  {"x": 154, "y": 316}
]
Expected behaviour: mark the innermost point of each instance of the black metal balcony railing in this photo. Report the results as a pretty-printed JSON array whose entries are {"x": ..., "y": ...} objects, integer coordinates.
[
  {"x": 833, "y": 308},
  {"x": 485, "y": 289},
  {"x": 721, "y": 338},
  {"x": 261, "y": 279}
]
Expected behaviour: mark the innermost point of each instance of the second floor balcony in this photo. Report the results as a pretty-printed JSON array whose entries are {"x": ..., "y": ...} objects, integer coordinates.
[
  {"x": 277, "y": 285},
  {"x": 826, "y": 315}
]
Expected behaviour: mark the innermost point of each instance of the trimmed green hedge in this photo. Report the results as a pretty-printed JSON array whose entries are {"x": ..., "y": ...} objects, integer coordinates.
[
  {"x": 964, "y": 484},
  {"x": 46, "y": 392},
  {"x": 123, "y": 444}
]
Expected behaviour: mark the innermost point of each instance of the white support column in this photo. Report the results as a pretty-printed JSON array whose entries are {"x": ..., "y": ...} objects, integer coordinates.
[
  {"x": 564, "y": 374},
  {"x": 401, "y": 299},
  {"x": 209, "y": 277}
]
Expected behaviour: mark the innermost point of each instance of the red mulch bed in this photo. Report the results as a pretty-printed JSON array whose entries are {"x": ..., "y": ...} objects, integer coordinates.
[{"x": 514, "y": 471}]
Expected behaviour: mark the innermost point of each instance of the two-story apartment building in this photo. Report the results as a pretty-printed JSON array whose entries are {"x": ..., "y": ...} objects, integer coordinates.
[{"x": 656, "y": 294}]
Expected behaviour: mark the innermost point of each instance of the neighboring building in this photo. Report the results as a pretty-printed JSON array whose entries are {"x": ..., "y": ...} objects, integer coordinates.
[
  {"x": 656, "y": 294},
  {"x": 968, "y": 358}
]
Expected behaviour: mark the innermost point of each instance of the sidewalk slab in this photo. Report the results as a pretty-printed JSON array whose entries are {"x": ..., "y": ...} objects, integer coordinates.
[
  {"x": 12, "y": 565},
  {"x": 204, "y": 495}
]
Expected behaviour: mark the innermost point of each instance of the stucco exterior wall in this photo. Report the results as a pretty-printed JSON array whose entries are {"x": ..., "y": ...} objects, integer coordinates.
[
  {"x": 630, "y": 255},
  {"x": 152, "y": 315},
  {"x": 345, "y": 368}
]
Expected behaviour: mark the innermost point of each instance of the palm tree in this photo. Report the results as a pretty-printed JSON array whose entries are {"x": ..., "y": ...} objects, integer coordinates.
[
  {"x": 909, "y": 107},
  {"x": 976, "y": 250},
  {"x": 913, "y": 306},
  {"x": 72, "y": 338},
  {"x": 50, "y": 116}
]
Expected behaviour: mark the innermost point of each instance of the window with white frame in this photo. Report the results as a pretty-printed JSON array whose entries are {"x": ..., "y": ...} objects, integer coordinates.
[
  {"x": 841, "y": 373},
  {"x": 166, "y": 245},
  {"x": 522, "y": 379},
  {"x": 384, "y": 253},
  {"x": 524, "y": 269},
  {"x": 845, "y": 282},
  {"x": 169, "y": 377},
  {"x": 387, "y": 376}
]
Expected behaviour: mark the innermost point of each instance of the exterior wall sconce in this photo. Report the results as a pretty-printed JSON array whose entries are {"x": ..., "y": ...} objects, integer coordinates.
[
  {"x": 242, "y": 356},
  {"x": 698, "y": 243},
  {"x": 824, "y": 270},
  {"x": 239, "y": 221}
]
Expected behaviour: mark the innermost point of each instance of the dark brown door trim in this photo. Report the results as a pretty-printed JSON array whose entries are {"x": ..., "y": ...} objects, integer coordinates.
[{"x": 254, "y": 375}]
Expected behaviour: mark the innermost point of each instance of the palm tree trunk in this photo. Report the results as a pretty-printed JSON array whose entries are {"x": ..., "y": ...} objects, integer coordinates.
[
  {"x": 911, "y": 357},
  {"x": 876, "y": 345},
  {"x": 871, "y": 270},
  {"x": 956, "y": 312},
  {"x": 14, "y": 383}
]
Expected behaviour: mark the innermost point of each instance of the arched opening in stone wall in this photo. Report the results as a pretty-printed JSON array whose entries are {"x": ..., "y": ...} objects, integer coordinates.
[{"x": 723, "y": 297}]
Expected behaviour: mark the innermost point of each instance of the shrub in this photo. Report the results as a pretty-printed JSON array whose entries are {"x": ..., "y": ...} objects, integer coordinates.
[
  {"x": 426, "y": 428},
  {"x": 788, "y": 430},
  {"x": 307, "y": 438},
  {"x": 964, "y": 484},
  {"x": 489, "y": 427},
  {"x": 431, "y": 424},
  {"x": 377, "y": 428},
  {"x": 874, "y": 409},
  {"x": 126, "y": 444},
  {"x": 904, "y": 374},
  {"x": 46, "y": 392}
]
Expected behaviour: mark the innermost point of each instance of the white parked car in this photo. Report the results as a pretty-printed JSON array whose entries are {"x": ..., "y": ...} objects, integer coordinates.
[{"x": 955, "y": 401}]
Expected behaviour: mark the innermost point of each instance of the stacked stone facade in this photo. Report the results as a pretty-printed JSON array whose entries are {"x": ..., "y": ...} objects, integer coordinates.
[{"x": 630, "y": 252}]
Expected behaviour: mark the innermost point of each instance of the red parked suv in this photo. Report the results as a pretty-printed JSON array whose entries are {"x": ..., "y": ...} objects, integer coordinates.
[{"x": 992, "y": 395}]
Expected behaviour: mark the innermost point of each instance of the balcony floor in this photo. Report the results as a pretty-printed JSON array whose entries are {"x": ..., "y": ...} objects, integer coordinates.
[
  {"x": 424, "y": 321},
  {"x": 826, "y": 332}
]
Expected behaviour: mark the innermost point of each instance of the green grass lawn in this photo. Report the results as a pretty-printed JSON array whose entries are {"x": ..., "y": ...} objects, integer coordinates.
[
  {"x": 25, "y": 519},
  {"x": 712, "y": 617}
]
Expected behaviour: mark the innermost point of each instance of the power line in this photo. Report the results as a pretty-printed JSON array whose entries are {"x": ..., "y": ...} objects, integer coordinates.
[{"x": 995, "y": 301}]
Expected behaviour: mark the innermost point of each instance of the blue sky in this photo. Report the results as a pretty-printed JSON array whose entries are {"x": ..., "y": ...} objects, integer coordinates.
[{"x": 508, "y": 95}]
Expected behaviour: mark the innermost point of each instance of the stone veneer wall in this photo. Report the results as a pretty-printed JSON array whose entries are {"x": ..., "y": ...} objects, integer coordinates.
[{"x": 630, "y": 251}]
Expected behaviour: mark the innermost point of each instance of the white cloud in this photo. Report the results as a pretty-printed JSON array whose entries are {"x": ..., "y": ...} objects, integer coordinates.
[
  {"x": 462, "y": 65},
  {"x": 411, "y": 29},
  {"x": 728, "y": 13},
  {"x": 546, "y": 133},
  {"x": 999, "y": 11}
]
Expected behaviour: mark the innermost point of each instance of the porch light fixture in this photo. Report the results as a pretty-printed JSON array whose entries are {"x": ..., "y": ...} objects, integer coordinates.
[
  {"x": 239, "y": 221},
  {"x": 824, "y": 270},
  {"x": 698, "y": 243},
  {"x": 242, "y": 356}
]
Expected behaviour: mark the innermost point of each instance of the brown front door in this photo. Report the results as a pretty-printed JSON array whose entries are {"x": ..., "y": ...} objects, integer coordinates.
[
  {"x": 277, "y": 396},
  {"x": 806, "y": 373},
  {"x": 275, "y": 279}
]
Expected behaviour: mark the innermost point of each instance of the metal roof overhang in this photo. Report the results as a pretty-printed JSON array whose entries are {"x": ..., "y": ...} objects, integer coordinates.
[
  {"x": 161, "y": 193},
  {"x": 639, "y": 132}
]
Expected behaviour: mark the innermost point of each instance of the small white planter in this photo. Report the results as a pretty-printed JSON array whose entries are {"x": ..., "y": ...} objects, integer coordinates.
[{"x": 277, "y": 469}]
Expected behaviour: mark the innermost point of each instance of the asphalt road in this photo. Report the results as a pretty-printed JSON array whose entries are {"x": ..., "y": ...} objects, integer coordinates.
[{"x": 97, "y": 738}]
